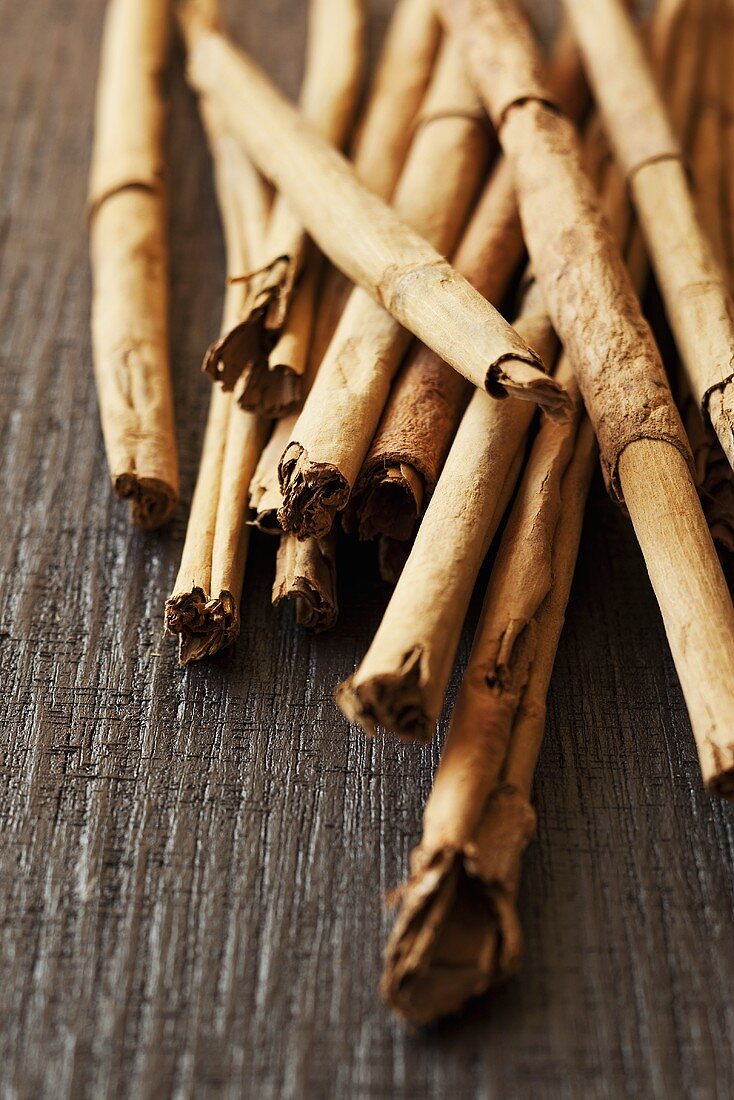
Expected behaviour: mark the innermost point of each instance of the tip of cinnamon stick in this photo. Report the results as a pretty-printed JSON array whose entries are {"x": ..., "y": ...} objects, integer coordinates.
[
  {"x": 394, "y": 701},
  {"x": 203, "y": 625},
  {"x": 152, "y": 501},
  {"x": 313, "y": 492},
  {"x": 517, "y": 378},
  {"x": 241, "y": 349},
  {"x": 388, "y": 502},
  {"x": 455, "y": 936},
  {"x": 267, "y": 389}
]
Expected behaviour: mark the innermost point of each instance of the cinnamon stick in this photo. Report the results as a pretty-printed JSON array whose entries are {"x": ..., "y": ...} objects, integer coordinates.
[
  {"x": 401, "y": 682},
  {"x": 305, "y": 572},
  {"x": 457, "y": 931},
  {"x": 427, "y": 400},
  {"x": 358, "y": 233},
  {"x": 266, "y": 369},
  {"x": 401, "y": 78},
  {"x": 616, "y": 363},
  {"x": 203, "y": 609},
  {"x": 439, "y": 180},
  {"x": 698, "y": 302},
  {"x": 129, "y": 257}
]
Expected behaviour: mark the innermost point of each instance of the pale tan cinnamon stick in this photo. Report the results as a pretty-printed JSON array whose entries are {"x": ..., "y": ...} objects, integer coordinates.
[
  {"x": 427, "y": 399},
  {"x": 401, "y": 78},
  {"x": 129, "y": 255},
  {"x": 457, "y": 931},
  {"x": 265, "y": 351},
  {"x": 439, "y": 181},
  {"x": 401, "y": 682},
  {"x": 615, "y": 360},
  {"x": 359, "y": 234},
  {"x": 203, "y": 610},
  {"x": 698, "y": 303}
]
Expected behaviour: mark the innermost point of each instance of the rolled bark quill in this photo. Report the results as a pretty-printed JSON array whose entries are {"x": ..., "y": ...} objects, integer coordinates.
[
  {"x": 305, "y": 572},
  {"x": 645, "y": 456},
  {"x": 440, "y": 178},
  {"x": 697, "y": 299},
  {"x": 457, "y": 931},
  {"x": 129, "y": 256},
  {"x": 427, "y": 400},
  {"x": 203, "y": 610},
  {"x": 401, "y": 78},
  {"x": 264, "y": 351},
  {"x": 359, "y": 234},
  {"x": 401, "y": 682}
]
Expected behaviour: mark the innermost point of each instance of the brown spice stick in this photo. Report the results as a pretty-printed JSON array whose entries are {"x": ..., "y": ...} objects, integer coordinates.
[
  {"x": 401, "y": 682},
  {"x": 129, "y": 257},
  {"x": 203, "y": 610},
  {"x": 699, "y": 306},
  {"x": 399, "y": 84},
  {"x": 305, "y": 572},
  {"x": 268, "y": 371},
  {"x": 358, "y": 233},
  {"x": 457, "y": 930},
  {"x": 427, "y": 400},
  {"x": 438, "y": 183},
  {"x": 617, "y": 365}
]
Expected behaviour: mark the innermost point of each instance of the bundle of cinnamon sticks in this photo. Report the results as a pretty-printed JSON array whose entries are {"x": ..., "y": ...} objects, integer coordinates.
[{"x": 433, "y": 326}]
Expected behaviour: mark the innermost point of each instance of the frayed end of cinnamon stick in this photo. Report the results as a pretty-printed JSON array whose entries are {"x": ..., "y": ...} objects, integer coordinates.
[
  {"x": 388, "y": 502},
  {"x": 269, "y": 390},
  {"x": 457, "y": 932},
  {"x": 516, "y": 378},
  {"x": 239, "y": 351},
  {"x": 394, "y": 701},
  {"x": 203, "y": 625},
  {"x": 305, "y": 573},
  {"x": 152, "y": 501},
  {"x": 313, "y": 492}
]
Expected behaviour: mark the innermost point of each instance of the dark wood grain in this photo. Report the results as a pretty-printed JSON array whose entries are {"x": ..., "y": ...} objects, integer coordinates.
[{"x": 192, "y": 863}]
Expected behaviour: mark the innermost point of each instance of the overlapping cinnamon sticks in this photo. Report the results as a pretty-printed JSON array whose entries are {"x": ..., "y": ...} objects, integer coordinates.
[
  {"x": 698, "y": 302},
  {"x": 426, "y": 402},
  {"x": 401, "y": 682},
  {"x": 263, "y": 353},
  {"x": 329, "y": 441},
  {"x": 203, "y": 609},
  {"x": 457, "y": 931},
  {"x": 594, "y": 309},
  {"x": 358, "y": 233},
  {"x": 129, "y": 256}
]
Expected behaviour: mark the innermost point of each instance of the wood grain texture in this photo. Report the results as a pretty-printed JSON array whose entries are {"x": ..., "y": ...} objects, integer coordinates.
[{"x": 191, "y": 862}]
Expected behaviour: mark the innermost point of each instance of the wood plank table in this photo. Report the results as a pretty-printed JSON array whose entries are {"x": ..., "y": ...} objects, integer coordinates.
[{"x": 193, "y": 863}]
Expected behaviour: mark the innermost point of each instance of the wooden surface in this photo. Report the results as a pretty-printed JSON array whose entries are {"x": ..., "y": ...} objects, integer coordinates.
[{"x": 192, "y": 864}]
